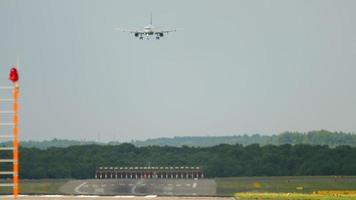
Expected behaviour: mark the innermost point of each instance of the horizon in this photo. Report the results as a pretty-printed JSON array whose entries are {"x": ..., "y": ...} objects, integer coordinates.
[{"x": 187, "y": 136}]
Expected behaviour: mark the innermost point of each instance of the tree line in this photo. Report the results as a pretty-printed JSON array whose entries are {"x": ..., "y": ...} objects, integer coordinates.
[
  {"x": 321, "y": 137},
  {"x": 222, "y": 160}
]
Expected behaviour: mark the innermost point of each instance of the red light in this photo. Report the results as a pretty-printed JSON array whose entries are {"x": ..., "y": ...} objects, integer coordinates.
[{"x": 14, "y": 75}]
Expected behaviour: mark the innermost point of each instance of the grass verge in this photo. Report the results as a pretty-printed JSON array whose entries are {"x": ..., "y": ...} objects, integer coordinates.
[
  {"x": 291, "y": 196},
  {"x": 306, "y": 185},
  {"x": 36, "y": 187}
]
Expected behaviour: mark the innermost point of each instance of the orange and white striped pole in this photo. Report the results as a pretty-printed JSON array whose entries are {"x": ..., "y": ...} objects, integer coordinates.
[
  {"x": 16, "y": 142},
  {"x": 14, "y": 77}
]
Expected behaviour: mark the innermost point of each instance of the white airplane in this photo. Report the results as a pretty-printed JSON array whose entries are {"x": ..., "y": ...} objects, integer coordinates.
[{"x": 148, "y": 31}]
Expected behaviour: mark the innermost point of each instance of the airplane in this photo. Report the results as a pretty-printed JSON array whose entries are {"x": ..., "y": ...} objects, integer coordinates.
[{"x": 148, "y": 31}]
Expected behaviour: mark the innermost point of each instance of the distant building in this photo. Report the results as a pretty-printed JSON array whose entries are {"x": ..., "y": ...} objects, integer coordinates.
[{"x": 148, "y": 172}]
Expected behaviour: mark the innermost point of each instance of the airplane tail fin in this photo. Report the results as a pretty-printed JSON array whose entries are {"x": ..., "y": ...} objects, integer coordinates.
[{"x": 151, "y": 19}]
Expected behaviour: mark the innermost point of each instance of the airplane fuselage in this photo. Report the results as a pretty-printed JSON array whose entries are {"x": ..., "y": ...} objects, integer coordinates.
[{"x": 148, "y": 30}]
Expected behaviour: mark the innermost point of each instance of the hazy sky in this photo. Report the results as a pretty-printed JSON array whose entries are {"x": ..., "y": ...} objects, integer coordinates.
[{"x": 237, "y": 67}]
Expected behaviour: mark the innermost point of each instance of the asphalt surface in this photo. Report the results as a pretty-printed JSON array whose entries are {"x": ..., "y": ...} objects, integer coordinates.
[
  {"x": 141, "y": 187},
  {"x": 59, "y": 197}
]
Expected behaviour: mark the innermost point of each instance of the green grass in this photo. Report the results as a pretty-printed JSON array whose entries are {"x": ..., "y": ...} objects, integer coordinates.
[
  {"x": 37, "y": 187},
  {"x": 291, "y": 196},
  {"x": 306, "y": 185}
]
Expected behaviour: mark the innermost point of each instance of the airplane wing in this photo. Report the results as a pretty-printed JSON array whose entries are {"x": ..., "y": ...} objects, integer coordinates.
[
  {"x": 158, "y": 30},
  {"x": 168, "y": 31},
  {"x": 129, "y": 30}
]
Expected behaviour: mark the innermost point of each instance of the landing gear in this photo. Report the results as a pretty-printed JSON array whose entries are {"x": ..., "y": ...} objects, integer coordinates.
[
  {"x": 157, "y": 38},
  {"x": 141, "y": 38}
]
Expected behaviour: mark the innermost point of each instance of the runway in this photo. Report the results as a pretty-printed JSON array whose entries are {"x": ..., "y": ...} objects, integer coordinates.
[
  {"x": 59, "y": 197},
  {"x": 141, "y": 187}
]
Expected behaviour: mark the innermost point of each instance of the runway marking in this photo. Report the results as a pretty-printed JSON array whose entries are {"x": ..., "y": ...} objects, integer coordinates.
[
  {"x": 76, "y": 189},
  {"x": 51, "y": 196},
  {"x": 151, "y": 196},
  {"x": 94, "y": 186},
  {"x": 87, "y": 196},
  {"x": 188, "y": 184},
  {"x": 124, "y": 196},
  {"x": 178, "y": 185},
  {"x": 194, "y": 185},
  {"x": 11, "y": 196},
  {"x": 133, "y": 189}
]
